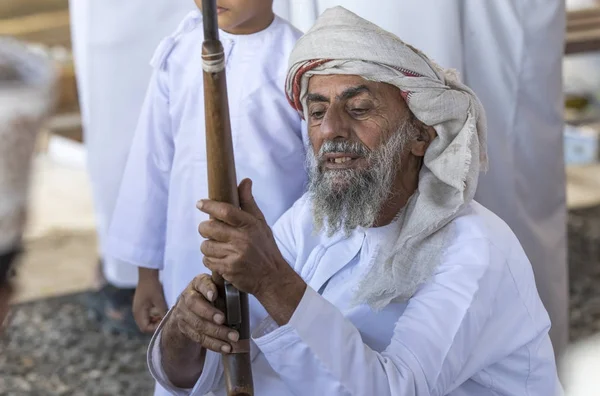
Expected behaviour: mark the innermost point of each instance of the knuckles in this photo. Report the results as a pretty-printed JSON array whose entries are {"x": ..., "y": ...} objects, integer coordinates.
[{"x": 225, "y": 211}]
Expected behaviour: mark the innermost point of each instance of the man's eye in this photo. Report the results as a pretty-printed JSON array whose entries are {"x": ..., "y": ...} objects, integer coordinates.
[
  {"x": 317, "y": 115},
  {"x": 359, "y": 111}
]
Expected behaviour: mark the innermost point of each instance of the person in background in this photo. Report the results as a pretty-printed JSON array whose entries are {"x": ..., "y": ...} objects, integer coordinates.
[
  {"x": 155, "y": 220},
  {"x": 510, "y": 53},
  {"x": 113, "y": 42},
  {"x": 27, "y": 96}
]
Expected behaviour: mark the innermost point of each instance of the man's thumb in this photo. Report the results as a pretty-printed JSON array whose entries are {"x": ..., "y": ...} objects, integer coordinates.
[{"x": 247, "y": 202}]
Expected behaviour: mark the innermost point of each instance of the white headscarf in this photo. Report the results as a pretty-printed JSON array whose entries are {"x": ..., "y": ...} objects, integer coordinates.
[{"x": 343, "y": 43}]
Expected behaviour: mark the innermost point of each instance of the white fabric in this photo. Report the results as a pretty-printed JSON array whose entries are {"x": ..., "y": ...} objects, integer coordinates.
[
  {"x": 454, "y": 337},
  {"x": 27, "y": 96},
  {"x": 509, "y": 52},
  {"x": 579, "y": 368},
  {"x": 156, "y": 220},
  {"x": 447, "y": 182},
  {"x": 113, "y": 41}
]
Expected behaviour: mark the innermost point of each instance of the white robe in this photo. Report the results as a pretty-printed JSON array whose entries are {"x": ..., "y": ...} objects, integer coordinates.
[
  {"x": 156, "y": 220},
  {"x": 477, "y": 328},
  {"x": 113, "y": 41},
  {"x": 509, "y": 52}
]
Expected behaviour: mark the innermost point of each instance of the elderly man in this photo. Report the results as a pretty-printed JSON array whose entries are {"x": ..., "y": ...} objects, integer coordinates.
[
  {"x": 483, "y": 40},
  {"x": 386, "y": 278}
]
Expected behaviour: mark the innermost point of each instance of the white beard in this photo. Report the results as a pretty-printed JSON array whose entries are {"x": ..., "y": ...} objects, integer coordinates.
[{"x": 350, "y": 198}]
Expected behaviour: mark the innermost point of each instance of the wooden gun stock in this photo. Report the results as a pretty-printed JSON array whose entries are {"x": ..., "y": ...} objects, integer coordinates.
[{"x": 222, "y": 187}]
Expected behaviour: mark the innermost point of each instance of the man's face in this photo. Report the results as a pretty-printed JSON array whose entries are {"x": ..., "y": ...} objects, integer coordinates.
[
  {"x": 360, "y": 132},
  {"x": 233, "y": 15}
]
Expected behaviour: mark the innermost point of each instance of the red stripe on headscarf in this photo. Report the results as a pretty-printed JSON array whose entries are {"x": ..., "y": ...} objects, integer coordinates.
[
  {"x": 297, "y": 80},
  {"x": 295, "y": 102}
]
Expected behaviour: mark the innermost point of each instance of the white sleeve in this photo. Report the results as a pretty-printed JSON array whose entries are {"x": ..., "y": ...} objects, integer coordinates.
[
  {"x": 429, "y": 350},
  {"x": 137, "y": 231},
  {"x": 210, "y": 379}
]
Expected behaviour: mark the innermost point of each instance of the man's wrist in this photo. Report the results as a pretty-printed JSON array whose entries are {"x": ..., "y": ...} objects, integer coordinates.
[
  {"x": 182, "y": 359},
  {"x": 281, "y": 295}
]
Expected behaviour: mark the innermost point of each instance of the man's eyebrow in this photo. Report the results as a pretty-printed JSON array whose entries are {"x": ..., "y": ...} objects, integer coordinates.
[
  {"x": 347, "y": 94},
  {"x": 354, "y": 91},
  {"x": 312, "y": 97}
]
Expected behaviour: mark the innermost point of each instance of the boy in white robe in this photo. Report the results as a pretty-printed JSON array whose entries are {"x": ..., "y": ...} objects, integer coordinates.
[{"x": 155, "y": 220}]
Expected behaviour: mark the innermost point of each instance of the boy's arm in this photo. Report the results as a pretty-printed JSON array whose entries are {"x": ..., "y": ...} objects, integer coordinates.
[{"x": 149, "y": 304}]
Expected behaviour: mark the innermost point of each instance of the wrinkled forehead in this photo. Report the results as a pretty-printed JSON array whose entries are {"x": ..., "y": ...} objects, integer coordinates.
[{"x": 341, "y": 87}]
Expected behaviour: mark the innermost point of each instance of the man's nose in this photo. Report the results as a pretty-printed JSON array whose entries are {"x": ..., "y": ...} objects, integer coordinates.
[{"x": 335, "y": 125}]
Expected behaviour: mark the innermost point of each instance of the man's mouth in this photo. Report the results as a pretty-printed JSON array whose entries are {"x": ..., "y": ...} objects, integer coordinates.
[{"x": 340, "y": 160}]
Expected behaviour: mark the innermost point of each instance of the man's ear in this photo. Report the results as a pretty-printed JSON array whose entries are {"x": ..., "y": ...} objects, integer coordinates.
[{"x": 423, "y": 140}]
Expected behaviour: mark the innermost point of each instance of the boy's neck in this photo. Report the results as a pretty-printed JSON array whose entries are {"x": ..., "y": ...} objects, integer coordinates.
[{"x": 254, "y": 25}]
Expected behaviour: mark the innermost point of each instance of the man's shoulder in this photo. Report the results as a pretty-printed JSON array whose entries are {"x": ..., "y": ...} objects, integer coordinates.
[
  {"x": 477, "y": 222},
  {"x": 484, "y": 239},
  {"x": 486, "y": 257}
]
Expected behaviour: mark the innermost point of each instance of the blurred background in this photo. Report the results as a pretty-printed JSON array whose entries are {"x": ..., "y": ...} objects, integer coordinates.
[{"x": 53, "y": 347}]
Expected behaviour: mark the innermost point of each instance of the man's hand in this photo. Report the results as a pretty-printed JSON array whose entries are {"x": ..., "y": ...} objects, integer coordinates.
[
  {"x": 149, "y": 305},
  {"x": 241, "y": 248},
  {"x": 197, "y": 319},
  {"x": 193, "y": 326}
]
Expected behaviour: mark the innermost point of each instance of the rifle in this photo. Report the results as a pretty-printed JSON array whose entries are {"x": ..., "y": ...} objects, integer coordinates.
[{"x": 222, "y": 187}]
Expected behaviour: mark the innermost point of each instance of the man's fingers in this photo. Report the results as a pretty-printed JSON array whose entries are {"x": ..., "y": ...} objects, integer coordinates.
[
  {"x": 218, "y": 265},
  {"x": 247, "y": 202},
  {"x": 200, "y": 338},
  {"x": 226, "y": 213},
  {"x": 211, "y": 329},
  {"x": 203, "y": 309},
  {"x": 205, "y": 286},
  {"x": 214, "y": 249},
  {"x": 196, "y": 300},
  {"x": 217, "y": 231}
]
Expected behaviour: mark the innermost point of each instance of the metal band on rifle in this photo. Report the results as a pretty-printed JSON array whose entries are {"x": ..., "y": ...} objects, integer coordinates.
[{"x": 213, "y": 63}]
